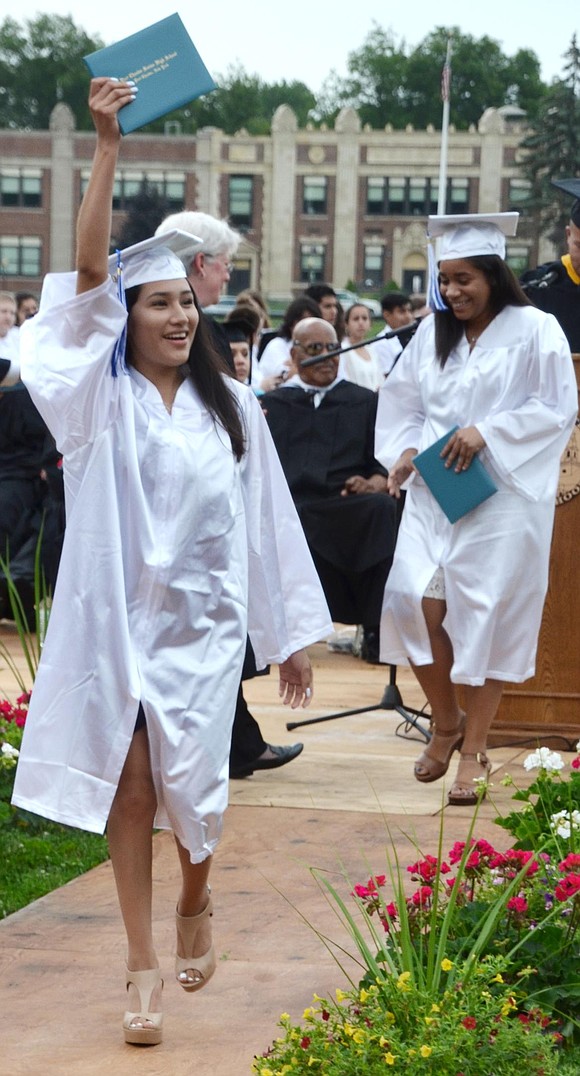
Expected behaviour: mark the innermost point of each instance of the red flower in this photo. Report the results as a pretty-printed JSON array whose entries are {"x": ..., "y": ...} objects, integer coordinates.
[
  {"x": 422, "y": 896},
  {"x": 572, "y": 860},
  {"x": 568, "y": 887},
  {"x": 517, "y": 904},
  {"x": 305, "y": 1042},
  {"x": 575, "y": 763},
  {"x": 325, "y": 1014},
  {"x": 469, "y": 1022}
]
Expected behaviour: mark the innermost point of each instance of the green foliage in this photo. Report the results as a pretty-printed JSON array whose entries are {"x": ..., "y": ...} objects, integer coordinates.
[
  {"x": 390, "y": 84},
  {"x": 550, "y": 818},
  {"x": 146, "y": 211},
  {"x": 41, "y": 62},
  {"x": 553, "y": 148}
]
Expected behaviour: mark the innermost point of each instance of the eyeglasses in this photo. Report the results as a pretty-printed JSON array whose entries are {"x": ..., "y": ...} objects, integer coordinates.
[
  {"x": 228, "y": 266},
  {"x": 316, "y": 348}
]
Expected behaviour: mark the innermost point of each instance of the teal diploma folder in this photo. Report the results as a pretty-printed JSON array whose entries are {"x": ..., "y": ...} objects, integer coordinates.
[
  {"x": 457, "y": 492},
  {"x": 164, "y": 63}
]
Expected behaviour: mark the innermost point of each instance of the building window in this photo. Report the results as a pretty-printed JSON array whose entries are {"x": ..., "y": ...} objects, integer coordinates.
[
  {"x": 416, "y": 196},
  {"x": 241, "y": 200},
  {"x": 457, "y": 196},
  {"x": 518, "y": 193},
  {"x": 312, "y": 260},
  {"x": 169, "y": 185},
  {"x": 20, "y": 255},
  {"x": 373, "y": 264},
  {"x": 518, "y": 259},
  {"x": 376, "y": 188},
  {"x": 21, "y": 187},
  {"x": 314, "y": 199}
]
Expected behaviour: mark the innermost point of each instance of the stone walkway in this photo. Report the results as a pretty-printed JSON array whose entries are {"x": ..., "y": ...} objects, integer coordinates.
[{"x": 336, "y": 808}]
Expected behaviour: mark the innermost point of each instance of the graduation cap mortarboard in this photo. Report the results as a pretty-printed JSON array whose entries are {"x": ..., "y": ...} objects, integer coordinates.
[
  {"x": 571, "y": 187},
  {"x": 465, "y": 235},
  {"x": 161, "y": 257}
]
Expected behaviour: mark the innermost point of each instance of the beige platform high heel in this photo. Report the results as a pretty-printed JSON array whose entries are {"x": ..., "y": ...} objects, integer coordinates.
[
  {"x": 145, "y": 982},
  {"x": 193, "y": 972}
]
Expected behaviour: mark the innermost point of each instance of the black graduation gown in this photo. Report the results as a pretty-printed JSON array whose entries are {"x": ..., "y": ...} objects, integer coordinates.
[
  {"x": 552, "y": 290},
  {"x": 351, "y": 538}
]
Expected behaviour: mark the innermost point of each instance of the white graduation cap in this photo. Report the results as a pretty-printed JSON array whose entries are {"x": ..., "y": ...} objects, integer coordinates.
[
  {"x": 465, "y": 235},
  {"x": 161, "y": 257},
  {"x": 468, "y": 235}
]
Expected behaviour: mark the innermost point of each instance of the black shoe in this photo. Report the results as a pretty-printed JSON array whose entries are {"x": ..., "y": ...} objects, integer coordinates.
[
  {"x": 370, "y": 647},
  {"x": 282, "y": 755}
]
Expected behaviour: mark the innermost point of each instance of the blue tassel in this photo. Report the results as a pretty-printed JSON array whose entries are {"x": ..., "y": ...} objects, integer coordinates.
[
  {"x": 434, "y": 297},
  {"x": 118, "y": 356}
]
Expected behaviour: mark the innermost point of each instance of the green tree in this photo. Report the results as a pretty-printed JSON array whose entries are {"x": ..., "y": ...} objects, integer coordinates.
[
  {"x": 553, "y": 147},
  {"x": 146, "y": 211},
  {"x": 389, "y": 84},
  {"x": 242, "y": 100},
  {"x": 41, "y": 62}
]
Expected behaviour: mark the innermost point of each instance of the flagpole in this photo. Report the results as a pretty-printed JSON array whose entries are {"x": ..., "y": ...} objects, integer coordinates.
[{"x": 445, "y": 94}]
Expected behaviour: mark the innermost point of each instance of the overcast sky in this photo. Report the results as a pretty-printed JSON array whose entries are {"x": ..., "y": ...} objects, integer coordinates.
[{"x": 304, "y": 39}]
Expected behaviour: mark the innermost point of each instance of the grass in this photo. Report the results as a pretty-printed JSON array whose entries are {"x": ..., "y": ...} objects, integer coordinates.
[{"x": 39, "y": 856}]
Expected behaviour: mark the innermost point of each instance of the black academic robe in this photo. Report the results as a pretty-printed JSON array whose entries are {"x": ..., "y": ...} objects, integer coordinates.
[
  {"x": 319, "y": 449},
  {"x": 551, "y": 289}
]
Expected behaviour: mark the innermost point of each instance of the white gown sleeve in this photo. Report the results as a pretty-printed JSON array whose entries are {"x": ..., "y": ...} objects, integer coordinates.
[
  {"x": 523, "y": 441},
  {"x": 400, "y": 413},
  {"x": 287, "y": 609},
  {"x": 65, "y": 355}
]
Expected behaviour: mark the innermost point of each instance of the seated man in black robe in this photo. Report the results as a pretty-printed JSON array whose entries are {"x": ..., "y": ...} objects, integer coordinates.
[{"x": 323, "y": 429}]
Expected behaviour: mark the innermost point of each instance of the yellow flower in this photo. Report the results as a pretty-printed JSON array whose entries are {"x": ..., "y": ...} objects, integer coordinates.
[
  {"x": 340, "y": 995},
  {"x": 411, "y": 1053},
  {"x": 359, "y": 1037},
  {"x": 390, "y": 1058},
  {"x": 497, "y": 978},
  {"x": 364, "y": 996},
  {"x": 446, "y": 964},
  {"x": 429, "y": 1020},
  {"x": 313, "y": 1061},
  {"x": 308, "y": 1013},
  {"x": 426, "y": 1051},
  {"x": 284, "y": 1017},
  {"x": 435, "y": 1008},
  {"x": 403, "y": 980},
  {"x": 383, "y": 1042},
  {"x": 389, "y": 1018}
]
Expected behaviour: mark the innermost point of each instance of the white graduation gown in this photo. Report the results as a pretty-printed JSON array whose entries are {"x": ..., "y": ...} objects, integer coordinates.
[
  {"x": 166, "y": 536},
  {"x": 518, "y": 387}
]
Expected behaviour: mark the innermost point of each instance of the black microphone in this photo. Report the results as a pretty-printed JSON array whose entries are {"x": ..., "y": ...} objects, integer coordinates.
[{"x": 411, "y": 329}]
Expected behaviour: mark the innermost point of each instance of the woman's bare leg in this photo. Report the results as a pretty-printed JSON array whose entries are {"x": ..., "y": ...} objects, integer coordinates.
[
  {"x": 129, "y": 833},
  {"x": 193, "y": 899},
  {"x": 435, "y": 679}
]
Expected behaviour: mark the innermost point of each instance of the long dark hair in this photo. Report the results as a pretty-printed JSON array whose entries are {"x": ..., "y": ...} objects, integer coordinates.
[
  {"x": 504, "y": 291},
  {"x": 302, "y": 307},
  {"x": 210, "y": 375}
]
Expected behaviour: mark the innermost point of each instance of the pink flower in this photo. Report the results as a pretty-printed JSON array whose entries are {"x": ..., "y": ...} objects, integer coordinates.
[
  {"x": 572, "y": 860},
  {"x": 575, "y": 763}
]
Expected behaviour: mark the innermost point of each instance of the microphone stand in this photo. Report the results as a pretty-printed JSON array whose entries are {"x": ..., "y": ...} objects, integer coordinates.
[{"x": 391, "y": 699}]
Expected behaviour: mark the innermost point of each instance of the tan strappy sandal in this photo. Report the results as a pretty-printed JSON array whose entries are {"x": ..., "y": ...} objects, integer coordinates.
[
  {"x": 139, "y": 1035},
  {"x": 465, "y": 790},
  {"x": 434, "y": 762},
  {"x": 193, "y": 972}
]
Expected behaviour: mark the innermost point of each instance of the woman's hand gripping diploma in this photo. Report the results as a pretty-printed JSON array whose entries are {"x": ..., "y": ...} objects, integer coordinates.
[
  {"x": 461, "y": 447},
  {"x": 106, "y": 97},
  {"x": 296, "y": 680}
]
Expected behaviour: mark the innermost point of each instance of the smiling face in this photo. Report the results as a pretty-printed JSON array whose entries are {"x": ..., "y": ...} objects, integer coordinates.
[
  {"x": 161, "y": 328},
  {"x": 466, "y": 291}
]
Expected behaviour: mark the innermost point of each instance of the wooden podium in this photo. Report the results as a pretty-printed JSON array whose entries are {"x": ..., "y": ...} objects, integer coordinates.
[{"x": 547, "y": 707}]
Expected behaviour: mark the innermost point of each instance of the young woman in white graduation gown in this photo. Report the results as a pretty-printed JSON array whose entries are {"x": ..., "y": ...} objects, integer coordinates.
[
  {"x": 463, "y": 602},
  {"x": 177, "y": 510}
]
